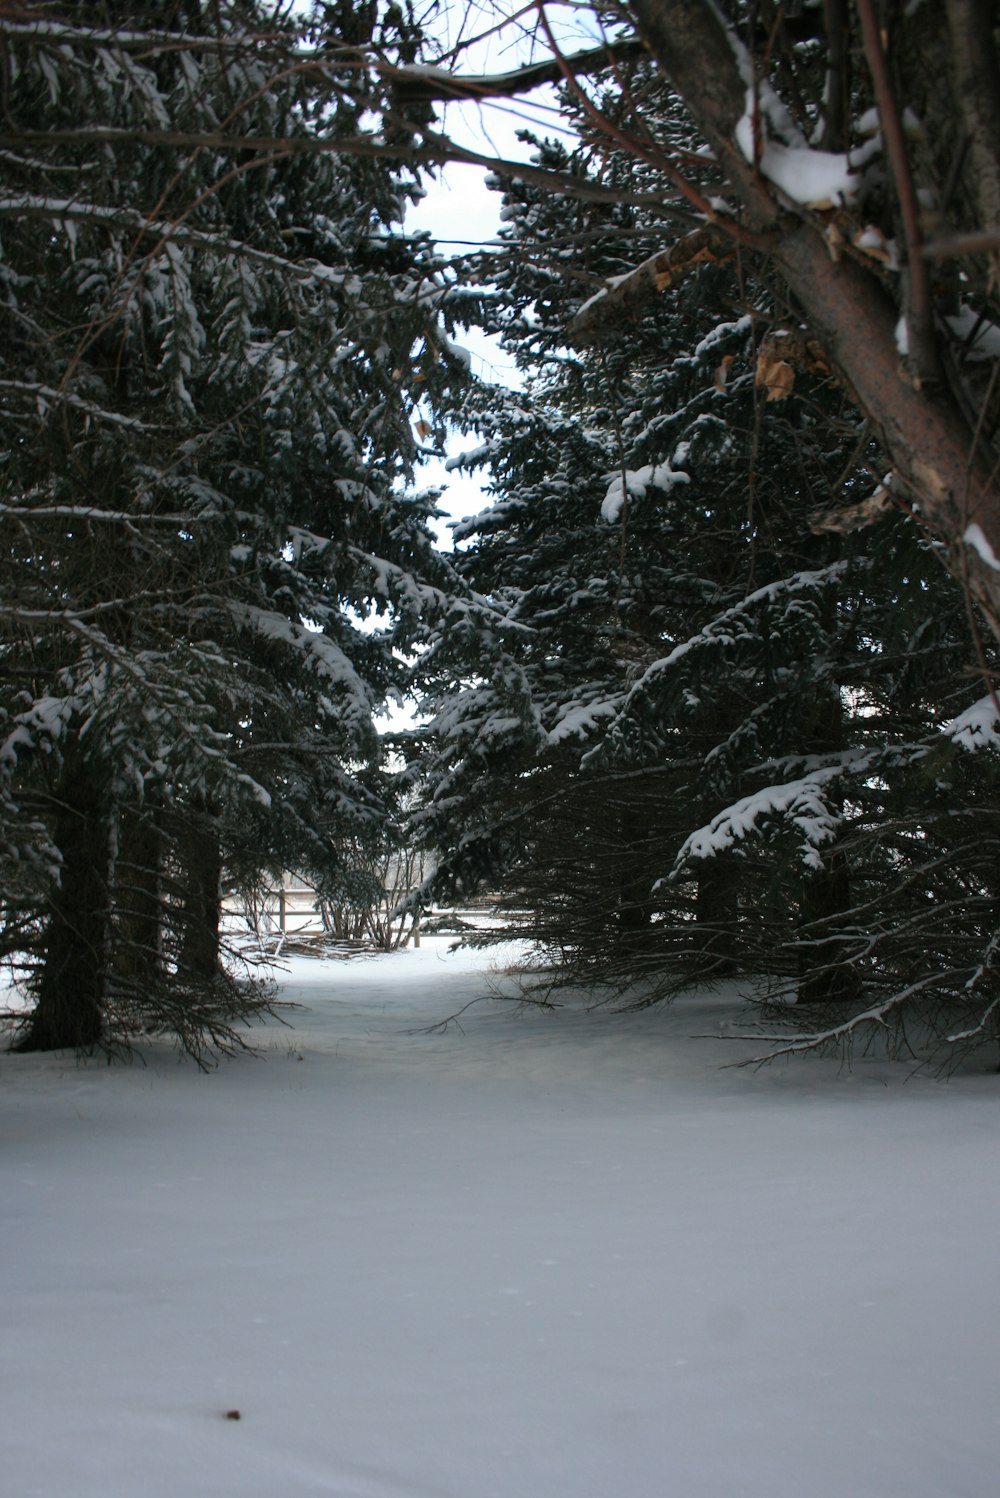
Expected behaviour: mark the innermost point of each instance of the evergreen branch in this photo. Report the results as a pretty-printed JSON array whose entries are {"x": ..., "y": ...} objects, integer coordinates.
[
  {"x": 65, "y": 397},
  {"x": 92, "y": 512},
  {"x": 876, "y": 1015},
  {"x": 131, "y": 220},
  {"x": 436, "y": 150}
]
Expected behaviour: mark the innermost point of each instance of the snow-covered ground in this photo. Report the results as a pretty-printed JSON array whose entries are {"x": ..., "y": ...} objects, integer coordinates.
[{"x": 538, "y": 1255}]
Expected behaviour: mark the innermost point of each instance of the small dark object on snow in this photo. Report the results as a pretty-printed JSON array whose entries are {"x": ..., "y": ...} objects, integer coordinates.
[{"x": 232, "y": 1414}]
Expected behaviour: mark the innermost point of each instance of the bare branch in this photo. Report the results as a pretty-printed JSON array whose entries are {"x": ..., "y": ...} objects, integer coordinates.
[
  {"x": 49, "y": 394},
  {"x": 626, "y": 296},
  {"x": 923, "y": 351},
  {"x": 438, "y": 85}
]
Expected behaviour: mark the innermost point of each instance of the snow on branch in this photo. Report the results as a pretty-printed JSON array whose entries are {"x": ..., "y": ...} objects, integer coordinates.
[
  {"x": 801, "y": 803},
  {"x": 325, "y": 654},
  {"x": 633, "y": 483},
  {"x": 76, "y": 210},
  {"x": 809, "y": 177},
  {"x": 977, "y": 727},
  {"x": 578, "y": 719},
  {"x": 92, "y": 512},
  {"x": 45, "y": 396},
  {"x": 878, "y": 1016},
  {"x": 727, "y": 626},
  {"x": 47, "y": 720},
  {"x": 42, "y": 30}
]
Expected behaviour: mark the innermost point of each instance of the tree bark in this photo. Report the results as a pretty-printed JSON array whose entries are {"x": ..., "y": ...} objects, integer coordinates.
[
  {"x": 138, "y": 937},
  {"x": 948, "y": 481},
  {"x": 977, "y": 90},
  {"x": 70, "y": 1011},
  {"x": 201, "y": 899}
]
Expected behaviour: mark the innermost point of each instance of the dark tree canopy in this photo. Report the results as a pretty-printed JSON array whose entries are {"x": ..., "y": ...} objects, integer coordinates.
[{"x": 210, "y": 364}]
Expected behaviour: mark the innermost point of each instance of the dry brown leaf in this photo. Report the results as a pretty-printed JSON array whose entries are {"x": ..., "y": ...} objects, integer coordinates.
[
  {"x": 776, "y": 375},
  {"x": 722, "y": 373}
]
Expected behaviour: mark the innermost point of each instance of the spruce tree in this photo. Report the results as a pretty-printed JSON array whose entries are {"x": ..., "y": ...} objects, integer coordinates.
[
  {"x": 711, "y": 744},
  {"x": 213, "y": 348}
]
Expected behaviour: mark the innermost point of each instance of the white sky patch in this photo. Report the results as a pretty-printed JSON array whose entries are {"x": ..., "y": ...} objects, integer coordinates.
[
  {"x": 462, "y": 491},
  {"x": 982, "y": 338},
  {"x": 462, "y": 213}
]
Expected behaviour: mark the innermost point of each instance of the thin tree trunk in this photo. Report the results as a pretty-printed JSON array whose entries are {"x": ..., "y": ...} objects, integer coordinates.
[
  {"x": 634, "y": 879},
  {"x": 824, "y": 977},
  {"x": 201, "y": 899},
  {"x": 717, "y": 913},
  {"x": 139, "y": 909},
  {"x": 825, "y": 899}
]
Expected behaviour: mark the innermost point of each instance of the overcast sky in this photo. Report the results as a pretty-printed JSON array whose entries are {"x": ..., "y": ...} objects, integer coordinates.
[{"x": 459, "y": 210}]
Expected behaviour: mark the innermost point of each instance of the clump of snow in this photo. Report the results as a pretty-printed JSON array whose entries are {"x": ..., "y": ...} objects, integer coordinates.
[
  {"x": 456, "y": 351},
  {"x": 975, "y": 538},
  {"x": 805, "y": 175},
  {"x": 976, "y": 727},
  {"x": 635, "y": 484}
]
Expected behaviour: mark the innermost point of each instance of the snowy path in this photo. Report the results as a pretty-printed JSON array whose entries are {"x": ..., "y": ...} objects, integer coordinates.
[{"x": 541, "y": 1256}]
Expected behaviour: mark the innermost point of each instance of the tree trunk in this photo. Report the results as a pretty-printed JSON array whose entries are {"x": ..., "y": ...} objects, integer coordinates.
[
  {"x": 825, "y": 899},
  {"x": 137, "y": 954},
  {"x": 716, "y": 914},
  {"x": 70, "y": 1011},
  {"x": 824, "y": 977},
  {"x": 939, "y": 466},
  {"x": 201, "y": 899},
  {"x": 635, "y": 879}
]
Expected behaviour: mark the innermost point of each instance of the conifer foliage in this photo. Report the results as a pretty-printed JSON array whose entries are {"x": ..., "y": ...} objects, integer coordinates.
[
  {"x": 726, "y": 736},
  {"x": 209, "y": 351}
]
